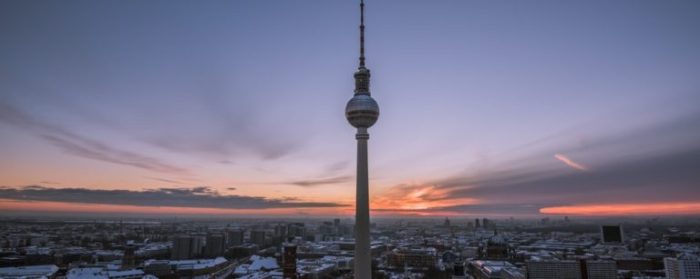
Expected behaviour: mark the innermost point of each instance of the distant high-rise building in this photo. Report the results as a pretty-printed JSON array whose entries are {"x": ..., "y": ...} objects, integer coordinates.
[
  {"x": 289, "y": 261},
  {"x": 182, "y": 248},
  {"x": 281, "y": 231},
  {"x": 447, "y": 222},
  {"x": 611, "y": 234},
  {"x": 198, "y": 241},
  {"x": 214, "y": 246},
  {"x": 258, "y": 237},
  {"x": 486, "y": 223},
  {"x": 477, "y": 224},
  {"x": 235, "y": 237},
  {"x": 336, "y": 222},
  {"x": 683, "y": 267},
  {"x": 296, "y": 230},
  {"x": 327, "y": 228}
]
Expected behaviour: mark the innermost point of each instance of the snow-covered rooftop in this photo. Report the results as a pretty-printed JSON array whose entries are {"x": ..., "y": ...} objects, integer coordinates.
[{"x": 28, "y": 271}]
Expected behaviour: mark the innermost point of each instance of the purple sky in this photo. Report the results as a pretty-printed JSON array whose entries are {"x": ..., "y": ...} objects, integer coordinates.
[{"x": 477, "y": 99}]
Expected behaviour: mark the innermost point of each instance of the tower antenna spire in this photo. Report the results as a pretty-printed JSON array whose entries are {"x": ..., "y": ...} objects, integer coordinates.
[{"x": 362, "y": 33}]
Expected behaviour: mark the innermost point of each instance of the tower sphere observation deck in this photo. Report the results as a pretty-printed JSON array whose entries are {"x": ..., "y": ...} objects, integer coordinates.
[{"x": 362, "y": 111}]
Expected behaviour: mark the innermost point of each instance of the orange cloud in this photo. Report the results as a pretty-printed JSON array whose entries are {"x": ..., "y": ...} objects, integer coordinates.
[
  {"x": 681, "y": 208},
  {"x": 569, "y": 162},
  {"x": 416, "y": 199}
]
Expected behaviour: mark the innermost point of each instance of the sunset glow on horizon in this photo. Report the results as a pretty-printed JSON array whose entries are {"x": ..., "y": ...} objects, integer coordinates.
[
  {"x": 656, "y": 209},
  {"x": 62, "y": 207},
  {"x": 651, "y": 209}
]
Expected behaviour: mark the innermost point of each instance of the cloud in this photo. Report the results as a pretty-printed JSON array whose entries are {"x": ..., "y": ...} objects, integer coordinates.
[
  {"x": 221, "y": 144},
  {"x": 417, "y": 197},
  {"x": 676, "y": 208},
  {"x": 90, "y": 149},
  {"x": 659, "y": 178},
  {"x": 569, "y": 162},
  {"x": 657, "y": 164},
  {"x": 337, "y": 166},
  {"x": 196, "y": 197},
  {"x": 320, "y": 181},
  {"x": 505, "y": 209},
  {"x": 220, "y": 125},
  {"x": 231, "y": 188},
  {"x": 173, "y": 181},
  {"x": 84, "y": 147}
]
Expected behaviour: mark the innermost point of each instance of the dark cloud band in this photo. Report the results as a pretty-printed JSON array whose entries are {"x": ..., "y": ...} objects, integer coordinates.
[{"x": 197, "y": 197}]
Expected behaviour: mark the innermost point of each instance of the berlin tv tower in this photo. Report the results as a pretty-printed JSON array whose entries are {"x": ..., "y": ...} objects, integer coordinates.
[{"x": 362, "y": 112}]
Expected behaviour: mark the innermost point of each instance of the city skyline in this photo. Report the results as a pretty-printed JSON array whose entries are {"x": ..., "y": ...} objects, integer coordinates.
[{"x": 488, "y": 109}]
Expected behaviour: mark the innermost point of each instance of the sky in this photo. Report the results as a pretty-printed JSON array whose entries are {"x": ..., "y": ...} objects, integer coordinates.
[{"x": 236, "y": 108}]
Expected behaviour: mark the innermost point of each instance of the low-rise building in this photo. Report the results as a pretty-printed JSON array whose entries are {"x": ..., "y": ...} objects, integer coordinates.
[
  {"x": 488, "y": 269},
  {"x": 412, "y": 257}
]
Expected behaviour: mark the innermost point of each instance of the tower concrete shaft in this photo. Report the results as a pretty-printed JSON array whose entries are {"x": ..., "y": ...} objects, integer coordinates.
[
  {"x": 363, "y": 257},
  {"x": 362, "y": 111}
]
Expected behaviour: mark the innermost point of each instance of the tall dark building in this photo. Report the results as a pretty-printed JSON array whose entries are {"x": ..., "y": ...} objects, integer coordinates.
[
  {"x": 281, "y": 231},
  {"x": 611, "y": 234},
  {"x": 486, "y": 223},
  {"x": 128, "y": 260},
  {"x": 477, "y": 224},
  {"x": 296, "y": 230},
  {"x": 289, "y": 261},
  {"x": 235, "y": 238},
  {"x": 258, "y": 237},
  {"x": 214, "y": 246},
  {"x": 182, "y": 248}
]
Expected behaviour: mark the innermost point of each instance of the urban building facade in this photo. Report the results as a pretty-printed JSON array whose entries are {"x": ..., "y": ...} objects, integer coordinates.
[
  {"x": 571, "y": 269},
  {"x": 684, "y": 267}
]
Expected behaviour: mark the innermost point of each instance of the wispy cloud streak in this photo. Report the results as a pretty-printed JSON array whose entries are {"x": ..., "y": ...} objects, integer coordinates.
[
  {"x": 320, "y": 181},
  {"x": 569, "y": 162},
  {"x": 84, "y": 147}
]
